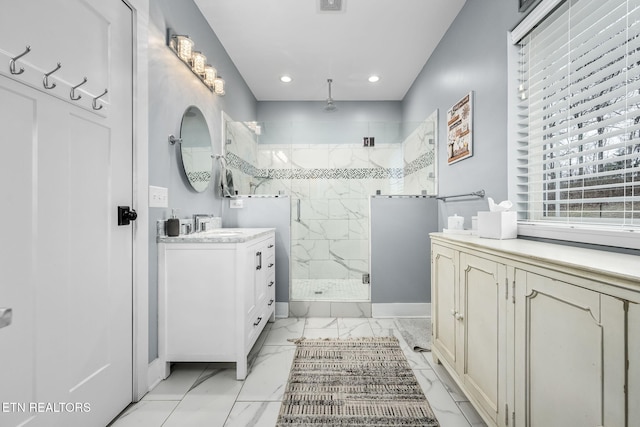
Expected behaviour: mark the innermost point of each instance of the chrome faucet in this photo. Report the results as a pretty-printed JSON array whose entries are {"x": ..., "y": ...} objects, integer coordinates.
[
  {"x": 200, "y": 222},
  {"x": 203, "y": 222}
]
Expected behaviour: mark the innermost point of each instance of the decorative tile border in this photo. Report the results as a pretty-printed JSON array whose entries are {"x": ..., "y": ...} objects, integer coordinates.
[
  {"x": 237, "y": 162},
  {"x": 200, "y": 176},
  {"x": 421, "y": 162},
  {"x": 242, "y": 165}
]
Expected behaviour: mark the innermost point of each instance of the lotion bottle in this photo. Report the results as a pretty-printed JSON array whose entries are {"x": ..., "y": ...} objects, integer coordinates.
[{"x": 173, "y": 225}]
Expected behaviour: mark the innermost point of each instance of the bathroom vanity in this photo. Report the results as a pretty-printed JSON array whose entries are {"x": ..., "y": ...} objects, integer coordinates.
[
  {"x": 538, "y": 334},
  {"x": 216, "y": 294}
]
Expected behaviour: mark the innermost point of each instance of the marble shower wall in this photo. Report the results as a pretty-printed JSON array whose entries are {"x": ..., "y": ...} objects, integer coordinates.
[
  {"x": 330, "y": 186},
  {"x": 419, "y": 150}
]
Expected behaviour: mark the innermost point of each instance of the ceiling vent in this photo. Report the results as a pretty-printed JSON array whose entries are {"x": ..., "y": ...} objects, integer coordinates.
[{"x": 330, "y": 5}]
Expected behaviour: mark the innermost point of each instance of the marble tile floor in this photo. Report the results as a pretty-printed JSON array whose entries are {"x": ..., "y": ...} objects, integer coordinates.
[{"x": 207, "y": 394}]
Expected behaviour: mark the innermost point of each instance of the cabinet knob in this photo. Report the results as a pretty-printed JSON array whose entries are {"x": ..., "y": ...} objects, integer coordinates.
[
  {"x": 459, "y": 316},
  {"x": 257, "y": 322},
  {"x": 270, "y": 246},
  {"x": 271, "y": 283},
  {"x": 270, "y": 265},
  {"x": 453, "y": 313},
  {"x": 270, "y": 303}
]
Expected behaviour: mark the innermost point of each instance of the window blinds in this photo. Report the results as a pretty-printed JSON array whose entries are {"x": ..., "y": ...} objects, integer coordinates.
[{"x": 579, "y": 115}]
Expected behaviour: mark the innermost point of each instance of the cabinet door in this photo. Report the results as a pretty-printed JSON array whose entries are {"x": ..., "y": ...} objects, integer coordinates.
[
  {"x": 261, "y": 271},
  {"x": 483, "y": 332},
  {"x": 444, "y": 294},
  {"x": 569, "y": 354},
  {"x": 633, "y": 356},
  {"x": 253, "y": 266},
  {"x": 270, "y": 278}
]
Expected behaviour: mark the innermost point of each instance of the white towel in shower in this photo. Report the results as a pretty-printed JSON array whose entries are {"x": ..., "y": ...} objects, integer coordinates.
[{"x": 226, "y": 180}]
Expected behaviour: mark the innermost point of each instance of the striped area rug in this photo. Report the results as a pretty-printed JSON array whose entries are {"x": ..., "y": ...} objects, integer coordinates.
[{"x": 353, "y": 382}]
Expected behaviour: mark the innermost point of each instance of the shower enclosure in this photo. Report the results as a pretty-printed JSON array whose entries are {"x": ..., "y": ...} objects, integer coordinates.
[{"x": 330, "y": 171}]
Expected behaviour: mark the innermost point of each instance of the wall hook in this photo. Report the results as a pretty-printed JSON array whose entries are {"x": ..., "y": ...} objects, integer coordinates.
[
  {"x": 72, "y": 95},
  {"x": 45, "y": 80},
  {"x": 95, "y": 100},
  {"x": 173, "y": 140},
  {"x": 12, "y": 62}
]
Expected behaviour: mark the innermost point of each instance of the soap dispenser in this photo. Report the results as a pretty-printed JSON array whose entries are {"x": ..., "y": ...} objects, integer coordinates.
[{"x": 173, "y": 225}]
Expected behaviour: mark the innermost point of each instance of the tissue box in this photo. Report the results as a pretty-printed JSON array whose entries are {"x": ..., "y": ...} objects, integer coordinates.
[{"x": 498, "y": 225}]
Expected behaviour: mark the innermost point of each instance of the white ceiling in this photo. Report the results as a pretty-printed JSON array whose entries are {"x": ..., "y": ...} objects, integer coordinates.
[{"x": 268, "y": 38}]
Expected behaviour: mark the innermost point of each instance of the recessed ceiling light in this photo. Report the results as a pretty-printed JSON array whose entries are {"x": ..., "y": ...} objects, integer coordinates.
[
  {"x": 286, "y": 79},
  {"x": 373, "y": 78}
]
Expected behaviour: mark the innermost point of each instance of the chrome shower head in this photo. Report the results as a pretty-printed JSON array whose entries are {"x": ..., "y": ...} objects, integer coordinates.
[{"x": 331, "y": 106}]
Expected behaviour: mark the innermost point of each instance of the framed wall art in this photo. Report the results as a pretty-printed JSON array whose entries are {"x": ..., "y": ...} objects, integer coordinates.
[{"x": 460, "y": 130}]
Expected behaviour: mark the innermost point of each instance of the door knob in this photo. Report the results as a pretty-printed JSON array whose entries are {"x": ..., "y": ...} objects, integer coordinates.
[
  {"x": 126, "y": 215},
  {"x": 5, "y": 317}
]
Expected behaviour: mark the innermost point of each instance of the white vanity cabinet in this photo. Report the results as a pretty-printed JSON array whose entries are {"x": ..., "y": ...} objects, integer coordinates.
[
  {"x": 215, "y": 296},
  {"x": 538, "y": 334}
]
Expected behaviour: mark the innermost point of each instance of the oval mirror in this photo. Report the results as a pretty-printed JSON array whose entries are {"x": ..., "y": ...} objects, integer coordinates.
[{"x": 195, "y": 148}]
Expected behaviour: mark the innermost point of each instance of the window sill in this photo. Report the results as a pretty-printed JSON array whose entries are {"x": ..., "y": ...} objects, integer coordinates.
[{"x": 603, "y": 236}]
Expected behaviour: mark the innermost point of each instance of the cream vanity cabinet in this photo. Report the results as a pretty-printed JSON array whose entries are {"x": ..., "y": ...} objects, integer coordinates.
[
  {"x": 469, "y": 324},
  {"x": 538, "y": 334},
  {"x": 216, "y": 293}
]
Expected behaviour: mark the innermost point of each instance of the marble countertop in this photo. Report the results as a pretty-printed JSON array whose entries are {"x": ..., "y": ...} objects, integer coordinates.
[{"x": 218, "y": 235}]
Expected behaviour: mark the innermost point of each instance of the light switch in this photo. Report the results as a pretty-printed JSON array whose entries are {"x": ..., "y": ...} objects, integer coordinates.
[{"x": 158, "y": 197}]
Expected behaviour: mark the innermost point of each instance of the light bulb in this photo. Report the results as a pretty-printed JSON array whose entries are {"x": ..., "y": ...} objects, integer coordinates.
[
  {"x": 210, "y": 76},
  {"x": 184, "y": 47},
  {"x": 218, "y": 86},
  {"x": 198, "y": 62}
]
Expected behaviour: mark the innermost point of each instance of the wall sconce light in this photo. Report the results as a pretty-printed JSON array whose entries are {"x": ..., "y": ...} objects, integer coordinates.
[{"x": 184, "y": 47}]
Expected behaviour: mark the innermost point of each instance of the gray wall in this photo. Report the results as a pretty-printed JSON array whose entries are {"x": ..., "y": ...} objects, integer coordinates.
[
  {"x": 472, "y": 56},
  {"x": 400, "y": 249},
  {"x": 172, "y": 88}
]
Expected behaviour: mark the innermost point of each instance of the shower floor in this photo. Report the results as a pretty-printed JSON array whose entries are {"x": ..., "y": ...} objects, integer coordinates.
[{"x": 329, "y": 290}]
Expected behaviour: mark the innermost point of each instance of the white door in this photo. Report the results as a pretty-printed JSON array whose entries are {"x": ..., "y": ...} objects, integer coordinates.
[{"x": 65, "y": 167}]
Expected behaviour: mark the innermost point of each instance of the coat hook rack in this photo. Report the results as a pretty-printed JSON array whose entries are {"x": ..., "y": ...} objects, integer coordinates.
[
  {"x": 94, "y": 104},
  {"x": 12, "y": 62},
  {"x": 72, "y": 95},
  {"x": 45, "y": 80}
]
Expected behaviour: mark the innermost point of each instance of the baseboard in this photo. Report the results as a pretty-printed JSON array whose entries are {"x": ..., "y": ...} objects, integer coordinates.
[
  {"x": 401, "y": 310},
  {"x": 155, "y": 373},
  {"x": 282, "y": 310}
]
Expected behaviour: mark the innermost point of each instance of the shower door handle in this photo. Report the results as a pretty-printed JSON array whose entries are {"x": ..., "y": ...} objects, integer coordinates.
[{"x": 298, "y": 209}]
